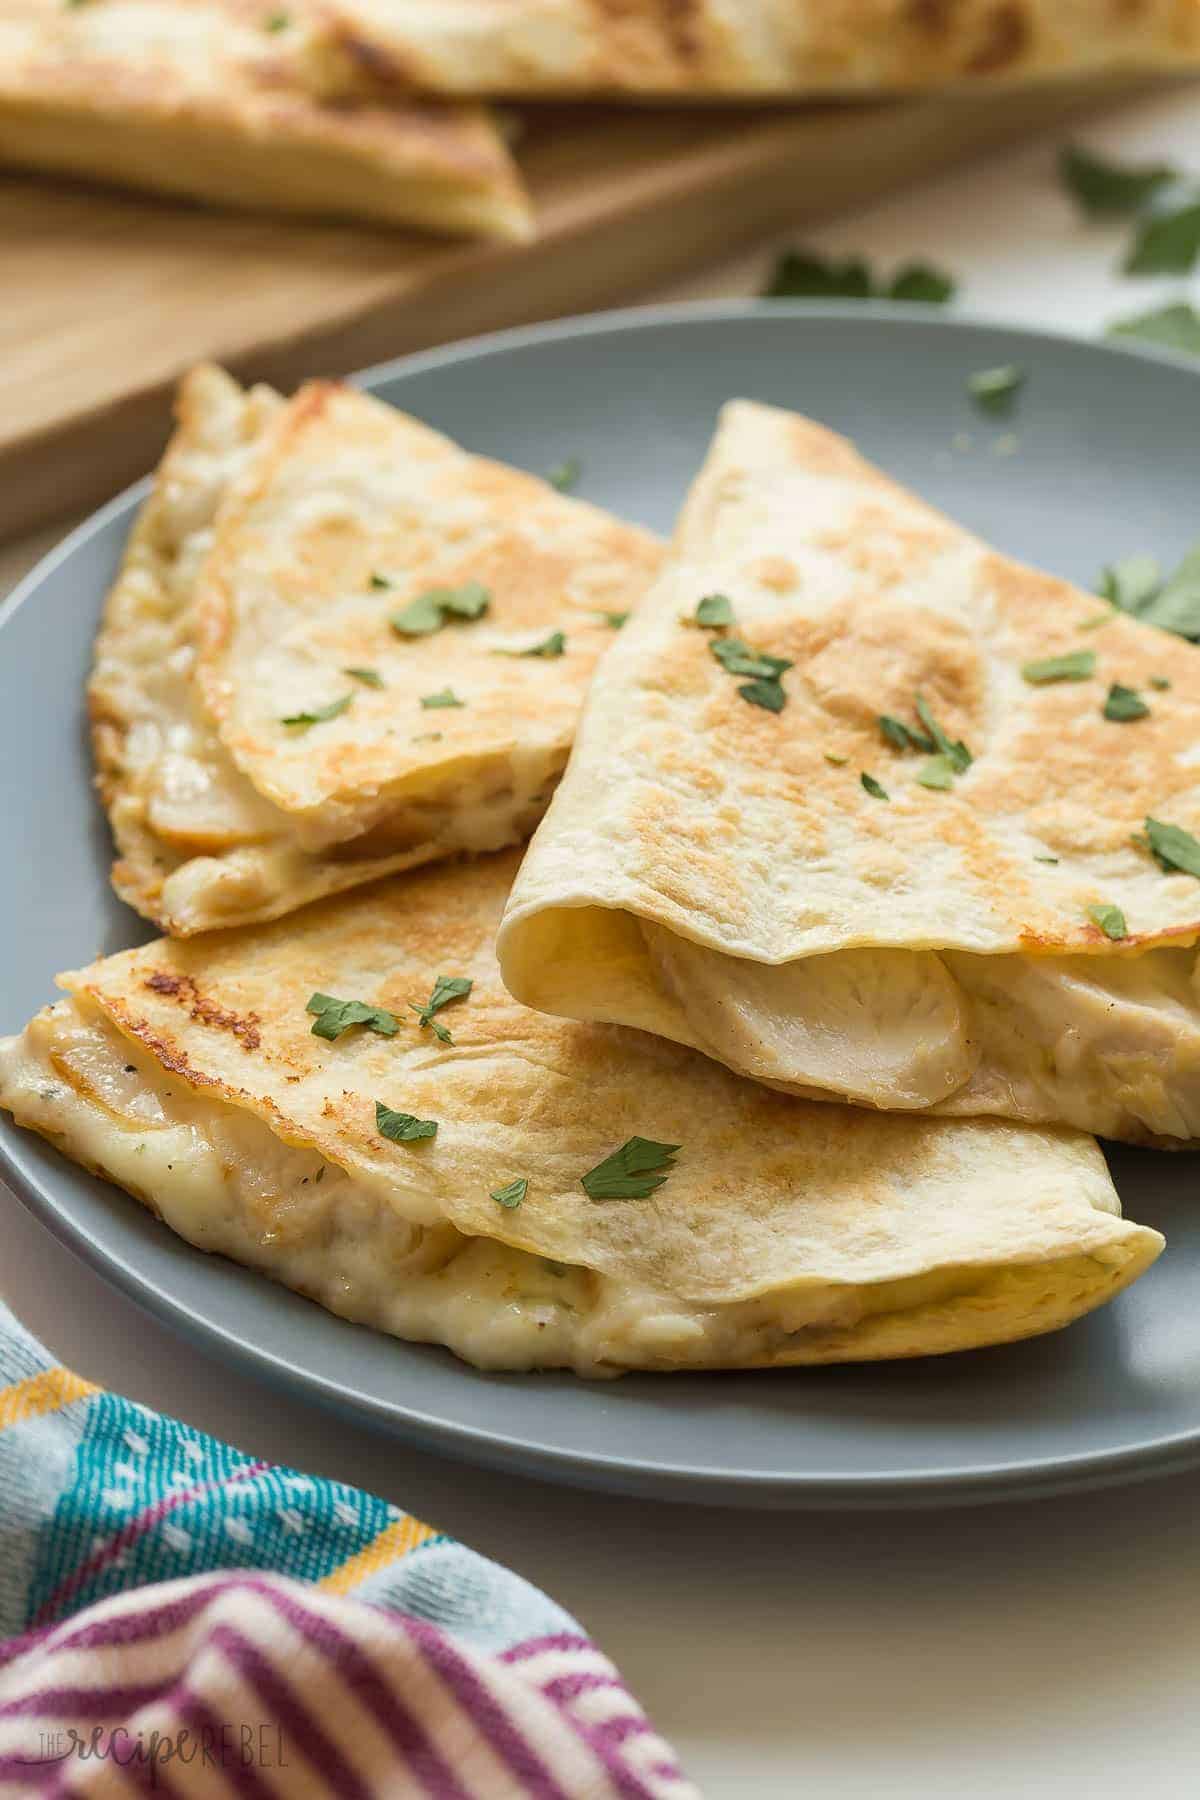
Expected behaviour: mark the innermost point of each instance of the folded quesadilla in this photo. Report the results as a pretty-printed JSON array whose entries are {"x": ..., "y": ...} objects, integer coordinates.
[
  {"x": 338, "y": 646},
  {"x": 710, "y": 47},
  {"x": 866, "y": 810},
  {"x": 350, "y": 1101},
  {"x": 242, "y": 104}
]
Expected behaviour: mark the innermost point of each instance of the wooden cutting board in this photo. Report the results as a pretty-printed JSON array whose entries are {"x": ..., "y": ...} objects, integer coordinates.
[{"x": 107, "y": 298}]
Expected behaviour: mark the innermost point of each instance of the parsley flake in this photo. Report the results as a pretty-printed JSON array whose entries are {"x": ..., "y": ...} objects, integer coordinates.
[
  {"x": 554, "y": 645},
  {"x": 873, "y": 788},
  {"x": 1075, "y": 665},
  {"x": 319, "y": 714},
  {"x": 633, "y": 1172},
  {"x": 1167, "y": 244},
  {"x": 1124, "y": 704},
  {"x": 1173, "y": 847},
  {"x": 801, "y": 275},
  {"x": 1105, "y": 188},
  {"x": 952, "y": 749},
  {"x": 368, "y": 677},
  {"x": 764, "y": 688},
  {"x": 429, "y": 611},
  {"x": 938, "y": 772},
  {"x": 447, "y": 697},
  {"x": 1175, "y": 327},
  {"x": 278, "y": 21},
  {"x": 838, "y": 762},
  {"x": 1160, "y": 682},
  {"x": 334, "y": 1016},
  {"x": 714, "y": 611},
  {"x": 378, "y": 580},
  {"x": 995, "y": 390},
  {"x": 902, "y": 736},
  {"x": 614, "y": 620},
  {"x": 1046, "y": 859},
  {"x": 565, "y": 475},
  {"x": 1110, "y": 919},
  {"x": 402, "y": 1127},
  {"x": 511, "y": 1195},
  {"x": 445, "y": 989}
]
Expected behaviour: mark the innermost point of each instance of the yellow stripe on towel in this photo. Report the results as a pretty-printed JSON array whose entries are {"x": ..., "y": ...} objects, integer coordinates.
[
  {"x": 46, "y": 1392},
  {"x": 393, "y": 1543}
]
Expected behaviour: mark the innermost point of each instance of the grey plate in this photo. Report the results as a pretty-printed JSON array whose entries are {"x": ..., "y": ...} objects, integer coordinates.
[{"x": 1104, "y": 464}]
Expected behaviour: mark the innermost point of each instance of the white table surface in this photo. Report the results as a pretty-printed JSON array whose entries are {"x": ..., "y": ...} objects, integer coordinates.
[{"x": 1047, "y": 1649}]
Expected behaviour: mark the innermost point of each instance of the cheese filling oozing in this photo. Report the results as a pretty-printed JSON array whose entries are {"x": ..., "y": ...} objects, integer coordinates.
[{"x": 224, "y": 1181}]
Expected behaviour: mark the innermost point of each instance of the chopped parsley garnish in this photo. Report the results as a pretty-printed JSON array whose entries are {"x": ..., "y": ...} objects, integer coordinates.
[
  {"x": 902, "y": 736},
  {"x": 554, "y": 645},
  {"x": 378, "y": 580},
  {"x": 1175, "y": 327},
  {"x": 633, "y": 1172},
  {"x": 801, "y": 275},
  {"x": 402, "y": 1127},
  {"x": 947, "y": 756},
  {"x": 1137, "y": 586},
  {"x": 1173, "y": 847},
  {"x": 278, "y": 21},
  {"x": 1075, "y": 665},
  {"x": 1105, "y": 188},
  {"x": 565, "y": 475},
  {"x": 368, "y": 677},
  {"x": 765, "y": 688},
  {"x": 1046, "y": 859},
  {"x": 319, "y": 714},
  {"x": 511, "y": 1194},
  {"x": 938, "y": 772},
  {"x": 714, "y": 611},
  {"x": 445, "y": 989},
  {"x": 1160, "y": 682},
  {"x": 447, "y": 697},
  {"x": 614, "y": 620},
  {"x": 1110, "y": 919},
  {"x": 873, "y": 788},
  {"x": 335, "y": 1016},
  {"x": 1123, "y": 704},
  {"x": 995, "y": 390},
  {"x": 838, "y": 762},
  {"x": 437, "y": 606},
  {"x": 1168, "y": 243}
]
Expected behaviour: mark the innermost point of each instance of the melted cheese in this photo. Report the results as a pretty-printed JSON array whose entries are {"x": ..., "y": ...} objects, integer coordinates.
[{"x": 220, "y": 1178}]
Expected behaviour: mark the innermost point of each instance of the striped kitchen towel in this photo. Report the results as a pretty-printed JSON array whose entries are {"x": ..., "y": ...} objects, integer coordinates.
[{"x": 186, "y": 1620}]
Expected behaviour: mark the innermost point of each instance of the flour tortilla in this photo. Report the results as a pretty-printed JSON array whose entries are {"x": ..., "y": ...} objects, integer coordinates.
[
  {"x": 269, "y": 516},
  {"x": 239, "y": 104},
  {"x": 716, "y": 872},
  {"x": 698, "y": 48},
  {"x": 785, "y": 1233}
]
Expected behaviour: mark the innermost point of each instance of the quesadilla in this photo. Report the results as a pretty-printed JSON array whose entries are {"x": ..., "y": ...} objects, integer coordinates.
[
  {"x": 888, "y": 818},
  {"x": 242, "y": 104},
  {"x": 338, "y": 645},
  {"x": 713, "y": 47},
  {"x": 350, "y": 1101}
]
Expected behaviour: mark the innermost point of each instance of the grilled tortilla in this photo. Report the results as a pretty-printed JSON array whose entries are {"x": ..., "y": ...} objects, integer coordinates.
[
  {"x": 711, "y": 47},
  {"x": 722, "y": 874},
  {"x": 784, "y": 1233},
  {"x": 253, "y": 578},
  {"x": 240, "y": 104}
]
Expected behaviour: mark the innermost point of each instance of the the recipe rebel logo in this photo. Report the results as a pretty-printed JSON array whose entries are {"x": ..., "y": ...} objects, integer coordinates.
[{"x": 225, "y": 1745}]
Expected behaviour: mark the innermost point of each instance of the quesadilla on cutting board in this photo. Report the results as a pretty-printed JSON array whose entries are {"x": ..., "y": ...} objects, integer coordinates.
[
  {"x": 865, "y": 810},
  {"x": 696, "y": 48},
  {"x": 241, "y": 104},
  {"x": 349, "y": 1100},
  {"x": 338, "y": 645}
]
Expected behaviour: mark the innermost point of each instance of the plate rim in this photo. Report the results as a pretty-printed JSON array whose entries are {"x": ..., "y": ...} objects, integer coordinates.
[{"x": 873, "y": 1490}]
